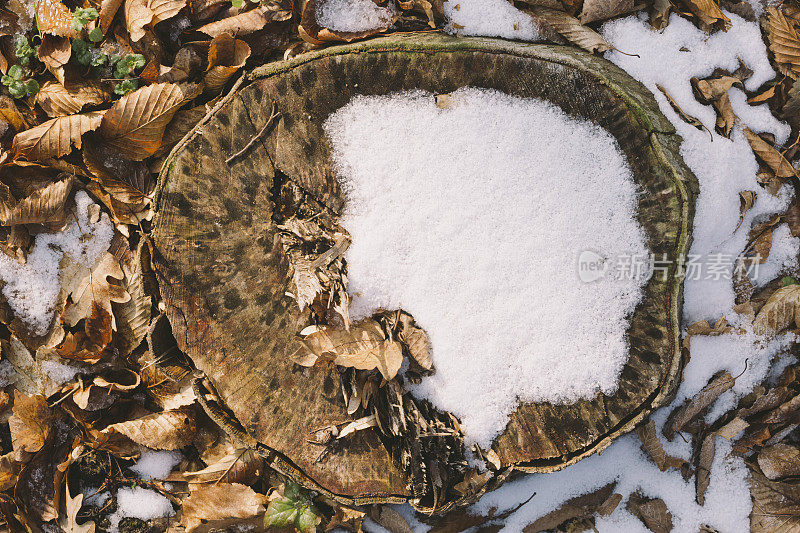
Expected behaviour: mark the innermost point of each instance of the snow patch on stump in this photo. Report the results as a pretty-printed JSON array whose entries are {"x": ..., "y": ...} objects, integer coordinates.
[{"x": 472, "y": 218}]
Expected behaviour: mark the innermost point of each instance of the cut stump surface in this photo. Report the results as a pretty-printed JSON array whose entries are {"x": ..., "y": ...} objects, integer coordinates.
[{"x": 224, "y": 275}]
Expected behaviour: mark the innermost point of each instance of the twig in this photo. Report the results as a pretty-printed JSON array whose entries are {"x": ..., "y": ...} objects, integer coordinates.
[{"x": 273, "y": 115}]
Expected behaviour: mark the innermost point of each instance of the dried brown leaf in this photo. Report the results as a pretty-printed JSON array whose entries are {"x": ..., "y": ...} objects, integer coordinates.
[
  {"x": 133, "y": 316},
  {"x": 769, "y": 155},
  {"x": 689, "y": 119},
  {"x": 780, "y": 311},
  {"x": 570, "y": 28},
  {"x": 647, "y": 434},
  {"x": 779, "y": 461},
  {"x": 363, "y": 347},
  {"x": 241, "y": 465},
  {"x": 141, "y": 14},
  {"x": 42, "y": 206},
  {"x": 108, "y": 9},
  {"x": 784, "y": 42},
  {"x": 776, "y": 506},
  {"x": 56, "y": 137},
  {"x": 168, "y": 430},
  {"x": 389, "y": 519},
  {"x": 245, "y": 23},
  {"x": 746, "y": 201},
  {"x": 708, "y": 12},
  {"x": 709, "y": 89},
  {"x": 53, "y": 17},
  {"x": 579, "y": 507},
  {"x": 653, "y": 512},
  {"x": 226, "y": 55},
  {"x": 703, "y": 470},
  {"x": 208, "y": 503},
  {"x": 135, "y": 123},
  {"x": 58, "y": 101},
  {"x": 594, "y": 10},
  {"x": 31, "y": 423},
  {"x": 54, "y": 51},
  {"x": 693, "y": 407},
  {"x": 89, "y": 286}
]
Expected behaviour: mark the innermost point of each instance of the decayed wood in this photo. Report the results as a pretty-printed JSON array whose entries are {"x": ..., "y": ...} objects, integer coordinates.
[{"x": 224, "y": 275}]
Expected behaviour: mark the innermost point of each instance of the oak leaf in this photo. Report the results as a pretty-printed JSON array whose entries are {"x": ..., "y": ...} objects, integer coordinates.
[
  {"x": 88, "y": 287},
  {"x": 31, "y": 423}
]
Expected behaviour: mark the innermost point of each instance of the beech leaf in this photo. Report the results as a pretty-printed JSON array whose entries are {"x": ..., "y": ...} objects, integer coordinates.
[
  {"x": 168, "y": 430},
  {"x": 769, "y": 155},
  {"x": 570, "y": 28},
  {"x": 135, "y": 124},
  {"x": 56, "y": 137},
  {"x": 140, "y": 14},
  {"x": 784, "y": 42},
  {"x": 53, "y": 17},
  {"x": 693, "y": 407},
  {"x": 779, "y": 312},
  {"x": 209, "y": 503}
]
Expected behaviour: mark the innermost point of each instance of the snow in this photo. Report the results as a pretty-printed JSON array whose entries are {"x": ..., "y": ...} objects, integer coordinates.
[
  {"x": 32, "y": 289},
  {"x": 489, "y": 18},
  {"x": 156, "y": 464},
  {"x": 478, "y": 236},
  {"x": 782, "y": 259},
  {"x": 354, "y": 15},
  {"x": 723, "y": 167},
  {"x": 60, "y": 373},
  {"x": 137, "y": 502}
]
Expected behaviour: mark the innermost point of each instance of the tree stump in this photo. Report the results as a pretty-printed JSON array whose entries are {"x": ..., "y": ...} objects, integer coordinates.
[{"x": 224, "y": 275}]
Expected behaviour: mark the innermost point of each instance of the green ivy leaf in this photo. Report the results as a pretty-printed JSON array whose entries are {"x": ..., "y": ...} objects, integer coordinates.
[
  {"x": 17, "y": 89},
  {"x": 125, "y": 86},
  {"x": 32, "y": 87},
  {"x": 294, "y": 507},
  {"x": 82, "y": 16},
  {"x": 96, "y": 35},
  {"x": 15, "y": 72}
]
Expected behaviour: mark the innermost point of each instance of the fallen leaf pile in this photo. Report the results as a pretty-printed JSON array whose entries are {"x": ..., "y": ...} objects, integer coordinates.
[{"x": 95, "y": 93}]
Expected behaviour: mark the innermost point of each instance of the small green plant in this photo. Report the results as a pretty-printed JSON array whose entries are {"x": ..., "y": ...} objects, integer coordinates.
[
  {"x": 81, "y": 52},
  {"x": 789, "y": 280},
  {"x": 239, "y": 3},
  {"x": 292, "y": 508},
  {"x": 82, "y": 16},
  {"x": 96, "y": 35},
  {"x": 17, "y": 85},
  {"x": 126, "y": 65},
  {"x": 125, "y": 86},
  {"x": 23, "y": 50}
]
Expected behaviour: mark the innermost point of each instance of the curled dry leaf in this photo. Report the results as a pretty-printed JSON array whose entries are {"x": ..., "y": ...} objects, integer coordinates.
[
  {"x": 58, "y": 101},
  {"x": 135, "y": 124},
  {"x": 709, "y": 89},
  {"x": 579, "y": 507},
  {"x": 652, "y": 445},
  {"x": 42, "y": 206},
  {"x": 247, "y": 22},
  {"x": 69, "y": 520},
  {"x": 595, "y": 10},
  {"x": 769, "y": 155},
  {"x": 780, "y": 311},
  {"x": 779, "y": 461},
  {"x": 689, "y": 119},
  {"x": 311, "y": 31},
  {"x": 705, "y": 459},
  {"x": 141, "y": 14},
  {"x": 364, "y": 347},
  {"x": 169, "y": 430},
  {"x": 570, "y": 28},
  {"x": 708, "y": 12},
  {"x": 53, "y": 17},
  {"x": 725, "y": 115},
  {"x": 241, "y": 465},
  {"x": 30, "y": 424},
  {"x": 693, "y": 407},
  {"x": 56, "y": 137},
  {"x": 226, "y": 55},
  {"x": 784, "y": 42},
  {"x": 54, "y": 51},
  {"x": 133, "y": 316},
  {"x": 108, "y": 8},
  {"x": 652, "y": 511},
  {"x": 746, "y": 201},
  {"x": 209, "y": 503}
]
